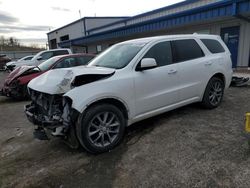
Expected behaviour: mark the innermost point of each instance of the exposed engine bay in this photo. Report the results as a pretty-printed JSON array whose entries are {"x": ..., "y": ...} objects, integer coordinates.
[{"x": 52, "y": 115}]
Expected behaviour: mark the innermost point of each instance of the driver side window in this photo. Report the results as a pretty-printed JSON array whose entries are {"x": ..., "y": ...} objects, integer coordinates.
[{"x": 161, "y": 52}]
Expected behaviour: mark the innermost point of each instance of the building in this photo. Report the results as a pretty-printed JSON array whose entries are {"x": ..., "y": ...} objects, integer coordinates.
[
  {"x": 78, "y": 29},
  {"x": 228, "y": 18}
]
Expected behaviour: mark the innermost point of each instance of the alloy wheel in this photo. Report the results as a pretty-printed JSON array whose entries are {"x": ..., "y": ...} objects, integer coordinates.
[
  {"x": 103, "y": 129},
  {"x": 215, "y": 93}
]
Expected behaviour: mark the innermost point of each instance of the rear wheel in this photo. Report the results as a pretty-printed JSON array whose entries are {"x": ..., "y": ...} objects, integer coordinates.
[
  {"x": 214, "y": 93},
  {"x": 101, "y": 128}
]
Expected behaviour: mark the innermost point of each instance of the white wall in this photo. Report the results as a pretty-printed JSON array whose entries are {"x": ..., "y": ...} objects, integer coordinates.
[
  {"x": 75, "y": 30},
  {"x": 98, "y": 22}
]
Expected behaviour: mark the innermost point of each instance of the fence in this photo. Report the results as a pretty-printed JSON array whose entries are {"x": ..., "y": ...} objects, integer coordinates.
[{"x": 18, "y": 54}]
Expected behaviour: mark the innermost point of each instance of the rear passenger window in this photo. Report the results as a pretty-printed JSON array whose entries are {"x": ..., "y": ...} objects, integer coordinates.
[
  {"x": 213, "y": 46},
  {"x": 184, "y": 50},
  {"x": 161, "y": 52}
]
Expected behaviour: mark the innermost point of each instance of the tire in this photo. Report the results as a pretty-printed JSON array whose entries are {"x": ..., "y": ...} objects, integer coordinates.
[
  {"x": 213, "y": 94},
  {"x": 94, "y": 130}
]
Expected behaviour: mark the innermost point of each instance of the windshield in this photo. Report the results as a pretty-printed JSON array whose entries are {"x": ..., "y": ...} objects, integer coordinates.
[
  {"x": 117, "y": 56},
  {"x": 47, "y": 64}
]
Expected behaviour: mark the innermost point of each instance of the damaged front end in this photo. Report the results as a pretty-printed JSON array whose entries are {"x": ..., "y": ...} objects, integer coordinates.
[
  {"x": 53, "y": 116},
  {"x": 15, "y": 85},
  {"x": 14, "y": 90}
]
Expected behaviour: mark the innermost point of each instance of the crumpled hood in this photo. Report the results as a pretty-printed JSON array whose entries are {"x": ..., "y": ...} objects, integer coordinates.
[
  {"x": 17, "y": 73},
  {"x": 58, "y": 81}
]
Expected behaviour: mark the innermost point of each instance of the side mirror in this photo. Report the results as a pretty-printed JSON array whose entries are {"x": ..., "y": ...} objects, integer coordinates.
[
  {"x": 39, "y": 58},
  {"x": 147, "y": 63}
]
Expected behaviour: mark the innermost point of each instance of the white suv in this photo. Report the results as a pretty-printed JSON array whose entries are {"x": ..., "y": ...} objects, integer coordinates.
[
  {"x": 38, "y": 58},
  {"x": 129, "y": 82}
]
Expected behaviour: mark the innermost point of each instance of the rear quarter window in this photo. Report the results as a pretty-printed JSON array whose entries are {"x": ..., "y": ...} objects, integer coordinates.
[
  {"x": 186, "y": 49},
  {"x": 213, "y": 46}
]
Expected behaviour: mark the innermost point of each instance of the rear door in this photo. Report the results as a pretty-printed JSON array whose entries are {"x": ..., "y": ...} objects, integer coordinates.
[
  {"x": 158, "y": 87},
  {"x": 192, "y": 67}
]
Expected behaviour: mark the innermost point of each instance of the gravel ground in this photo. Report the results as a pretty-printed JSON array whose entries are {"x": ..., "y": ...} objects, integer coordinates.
[{"x": 188, "y": 147}]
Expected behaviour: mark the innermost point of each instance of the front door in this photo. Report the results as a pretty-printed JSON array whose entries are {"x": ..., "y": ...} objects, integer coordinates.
[
  {"x": 230, "y": 35},
  {"x": 158, "y": 87}
]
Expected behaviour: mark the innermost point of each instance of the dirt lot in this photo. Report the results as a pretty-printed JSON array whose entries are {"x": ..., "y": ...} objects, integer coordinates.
[{"x": 188, "y": 147}]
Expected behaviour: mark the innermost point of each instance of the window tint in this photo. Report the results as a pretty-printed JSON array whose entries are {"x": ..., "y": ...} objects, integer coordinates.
[
  {"x": 67, "y": 62},
  {"x": 161, "y": 52},
  {"x": 46, "y": 55},
  {"x": 60, "y": 52},
  {"x": 213, "y": 46},
  {"x": 187, "y": 49},
  {"x": 83, "y": 60}
]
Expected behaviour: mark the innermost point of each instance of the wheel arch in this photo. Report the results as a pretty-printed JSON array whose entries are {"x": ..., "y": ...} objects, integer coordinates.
[
  {"x": 220, "y": 76},
  {"x": 120, "y": 104},
  {"x": 216, "y": 75}
]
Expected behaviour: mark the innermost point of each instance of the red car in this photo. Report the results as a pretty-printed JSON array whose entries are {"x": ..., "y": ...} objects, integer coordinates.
[{"x": 15, "y": 85}]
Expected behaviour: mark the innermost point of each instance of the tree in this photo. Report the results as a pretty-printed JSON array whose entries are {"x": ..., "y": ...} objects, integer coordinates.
[
  {"x": 2, "y": 41},
  {"x": 13, "y": 41}
]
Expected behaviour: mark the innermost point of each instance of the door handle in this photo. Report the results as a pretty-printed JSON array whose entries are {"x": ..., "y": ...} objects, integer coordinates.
[
  {"x": 172, "y": 71},
  {"x": 208, "y": 63}
]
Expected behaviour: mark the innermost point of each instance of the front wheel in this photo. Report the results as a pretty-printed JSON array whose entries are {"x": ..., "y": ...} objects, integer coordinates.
[
  {"x": 101, "y": 128},
  {"x": 214, "y": 93}
]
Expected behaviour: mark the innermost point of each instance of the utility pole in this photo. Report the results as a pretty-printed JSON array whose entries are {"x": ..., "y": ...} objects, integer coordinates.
[{"x": 80, "y": 14}]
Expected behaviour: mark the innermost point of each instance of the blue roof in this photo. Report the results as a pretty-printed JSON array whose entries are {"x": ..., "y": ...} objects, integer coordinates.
[{"x": 208, "y": 12}]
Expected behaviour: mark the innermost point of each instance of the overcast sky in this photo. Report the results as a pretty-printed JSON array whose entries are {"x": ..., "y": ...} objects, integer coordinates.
[{"x": 30, "y": 20}]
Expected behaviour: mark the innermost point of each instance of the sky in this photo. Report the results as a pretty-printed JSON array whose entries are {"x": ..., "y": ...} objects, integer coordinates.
[{"x": 30, "y": 20}]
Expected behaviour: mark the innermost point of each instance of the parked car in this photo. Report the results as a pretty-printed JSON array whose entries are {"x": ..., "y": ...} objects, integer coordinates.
[
  {"x": 129, "y": 82},
  {"x": 15, "y": 84},
  {"x": 3, "y": 60},
  {"x": 41, "y": 57},
  {"x": 10, "y": 65}
]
